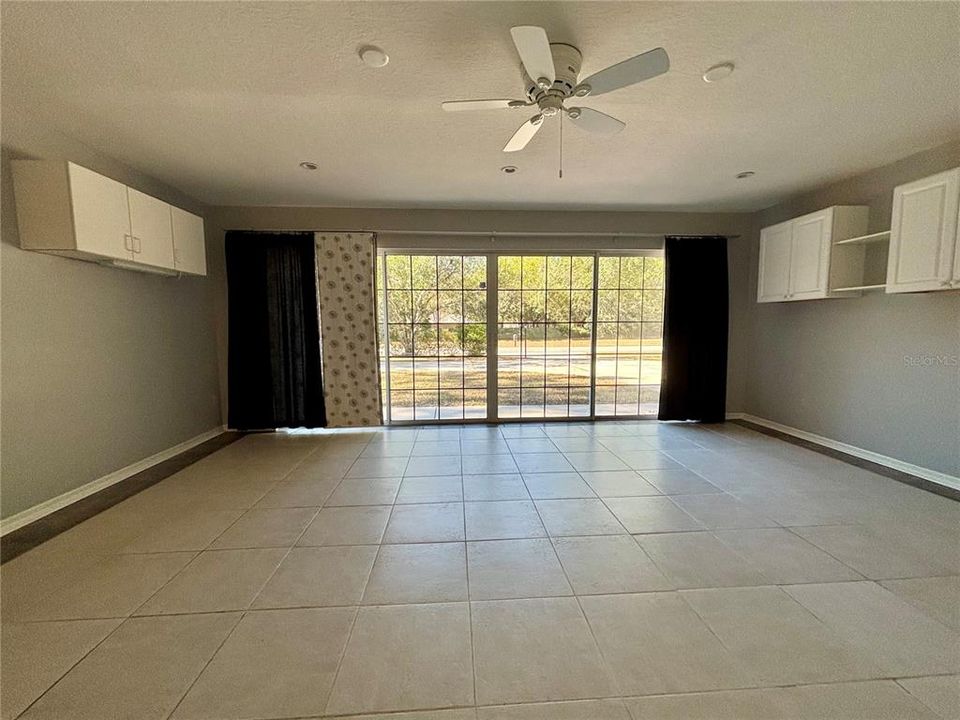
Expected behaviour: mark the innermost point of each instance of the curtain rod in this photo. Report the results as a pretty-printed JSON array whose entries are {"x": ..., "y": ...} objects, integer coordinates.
[
  {"x": 484, "y": 233},
  {"x": 501, "y": 233}
]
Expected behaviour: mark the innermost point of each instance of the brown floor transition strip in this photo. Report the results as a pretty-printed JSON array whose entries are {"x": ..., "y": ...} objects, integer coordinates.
[
  {"x": 39, "y": 531},
  {"x": 898, "y": 475}
]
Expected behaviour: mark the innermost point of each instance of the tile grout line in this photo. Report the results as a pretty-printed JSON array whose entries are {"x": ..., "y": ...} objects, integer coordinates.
[
  {"x": 360, "y": 606},
  {"x": 208, "y": 546},
  {"x": 608, "y": 671},
  {"x": 466, "y": 562},
  {"x": 205, "y": 665},
  {"x": 469, "y": 598},
  {"x": 713, "y": 531},
  {"x": 899, "y": 683},
  {"x": 243, "y": 613},
  {"x": 127, "y": 618},
  {"x": 812, "y": 544},
  {"x": 681, "y": 590},
  {"x": 634, "y": 696}
]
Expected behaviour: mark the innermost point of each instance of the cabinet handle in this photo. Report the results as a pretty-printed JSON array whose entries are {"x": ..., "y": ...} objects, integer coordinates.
[
  {"x": 137, "y": 246},
  {"x": 127, "y": 243}
]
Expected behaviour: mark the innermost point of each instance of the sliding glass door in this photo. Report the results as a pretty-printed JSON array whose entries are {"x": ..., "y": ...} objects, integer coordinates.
[
  {"x": 629, "y": 335},
  {"x": 434, "y": 364},
  {"x": 561, "y": 336},
  {"x": 544, "y": 335}
]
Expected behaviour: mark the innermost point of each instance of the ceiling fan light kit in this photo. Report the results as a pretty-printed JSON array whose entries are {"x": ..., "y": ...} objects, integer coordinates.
[{"x": 551, "y": 75}]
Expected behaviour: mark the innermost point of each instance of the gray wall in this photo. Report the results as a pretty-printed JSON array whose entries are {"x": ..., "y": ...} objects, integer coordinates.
[
  {"x": 383, "y": 220},
  {"x": 864, "y": 371},
  {"x": 101, "y": 367}
]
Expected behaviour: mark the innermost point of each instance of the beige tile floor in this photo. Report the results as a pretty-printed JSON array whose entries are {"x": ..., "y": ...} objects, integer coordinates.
[{"x": 607, "y": 571}]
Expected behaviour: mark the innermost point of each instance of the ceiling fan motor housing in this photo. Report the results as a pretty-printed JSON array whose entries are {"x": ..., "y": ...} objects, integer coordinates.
[{"x": 566, "y": 63}]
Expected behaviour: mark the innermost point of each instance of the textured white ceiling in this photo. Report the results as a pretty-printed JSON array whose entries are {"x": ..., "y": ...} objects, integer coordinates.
[{"x": 223, "y": 100}]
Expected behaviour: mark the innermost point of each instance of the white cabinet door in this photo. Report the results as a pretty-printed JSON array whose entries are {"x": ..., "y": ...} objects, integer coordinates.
[
  {"x": 101, "y": 217},
  {"x": 189, "y": 252},
  {"x": 923, "y": 234},
  {"x": 956, "y": 253},
  {"x": 151, "y": 230},
  {"x": 773, "y": 281},
  {"x": 809, "y": 257}
]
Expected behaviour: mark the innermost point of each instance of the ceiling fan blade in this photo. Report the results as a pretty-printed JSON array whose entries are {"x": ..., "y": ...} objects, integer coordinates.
[
  {"x": 595, "y": 121},
  {"x": 457, "y": 105},
  {"x": 534, "y": 50},
  {"x": 524, "y": 134},
  {"x": 629, "y": 72}
]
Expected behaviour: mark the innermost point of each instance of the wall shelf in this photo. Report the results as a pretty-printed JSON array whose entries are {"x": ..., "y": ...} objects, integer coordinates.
[
  {"x": 854, "y": 288},
  {"x": 864, "y": 239}
]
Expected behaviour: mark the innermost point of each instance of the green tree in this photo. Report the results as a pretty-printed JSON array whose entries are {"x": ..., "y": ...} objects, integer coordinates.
[{"x": 437, "y": 303}]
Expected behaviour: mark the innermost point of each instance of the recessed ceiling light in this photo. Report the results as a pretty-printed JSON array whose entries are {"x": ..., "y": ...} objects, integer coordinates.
[
  {"x": 509, "y": 169},
  {"x": 718, "y": 72},
  {"x": 745, "y": 174},
  {"x": 307, "y": 165},
  {"x": 373, "y": 56}
]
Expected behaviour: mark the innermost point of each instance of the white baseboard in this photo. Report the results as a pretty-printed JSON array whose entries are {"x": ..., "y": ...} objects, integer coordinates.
[
  {"x": 934, "y": 476},
  {"x": 15, "y": 522}
]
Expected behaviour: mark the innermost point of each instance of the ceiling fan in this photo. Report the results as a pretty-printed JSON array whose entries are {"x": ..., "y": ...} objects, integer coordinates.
[{"x": 550, "y": 73}]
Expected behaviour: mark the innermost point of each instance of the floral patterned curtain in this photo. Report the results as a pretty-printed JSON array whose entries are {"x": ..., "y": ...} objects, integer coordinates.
[{"x": 351, "y": 368}]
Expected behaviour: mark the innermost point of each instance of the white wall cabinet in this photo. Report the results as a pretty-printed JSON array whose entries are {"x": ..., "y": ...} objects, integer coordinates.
[
  {"x": 924, "y": 253},
  {"x": 150, "y": 230},
  {"x": 774, "y": 280},
  {"x": 810, "y": 256},
  {"x": 189, "y": 248},
  {"x": 68, "y": 210},
  {"x": 799, "y": 259},
  {"x": 101, "y": 217}
]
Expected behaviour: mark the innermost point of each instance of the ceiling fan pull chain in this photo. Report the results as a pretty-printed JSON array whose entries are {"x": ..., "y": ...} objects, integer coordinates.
[{"x": 561, "y": 146}]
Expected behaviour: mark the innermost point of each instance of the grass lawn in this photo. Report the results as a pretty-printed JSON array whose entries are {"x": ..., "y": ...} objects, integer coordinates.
[{"x": 448, "y": 376}]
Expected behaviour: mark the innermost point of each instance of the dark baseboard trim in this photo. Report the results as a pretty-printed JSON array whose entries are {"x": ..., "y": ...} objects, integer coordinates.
[
  {"x": 39, "y": 531},
  {"x": 898, "y": 475}
]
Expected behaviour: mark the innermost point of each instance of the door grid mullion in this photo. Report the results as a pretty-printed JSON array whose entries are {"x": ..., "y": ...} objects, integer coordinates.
[{"x": 493, "y": 347}]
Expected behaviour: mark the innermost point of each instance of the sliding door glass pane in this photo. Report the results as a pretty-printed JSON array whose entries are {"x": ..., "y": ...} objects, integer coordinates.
[
  {"x": 629, "y": 332},
  {"x": 544, "y": 335},
  {"x": 435, "y": 345}
]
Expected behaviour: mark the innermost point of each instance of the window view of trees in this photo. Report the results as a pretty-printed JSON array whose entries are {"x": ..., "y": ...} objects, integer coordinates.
[{"x": 436, "y": 303}]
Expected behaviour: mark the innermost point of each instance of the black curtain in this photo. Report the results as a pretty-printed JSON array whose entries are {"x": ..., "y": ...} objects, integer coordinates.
[
  {"x": 694, "y": 381},
  {"x": 274, "y": 343}
]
